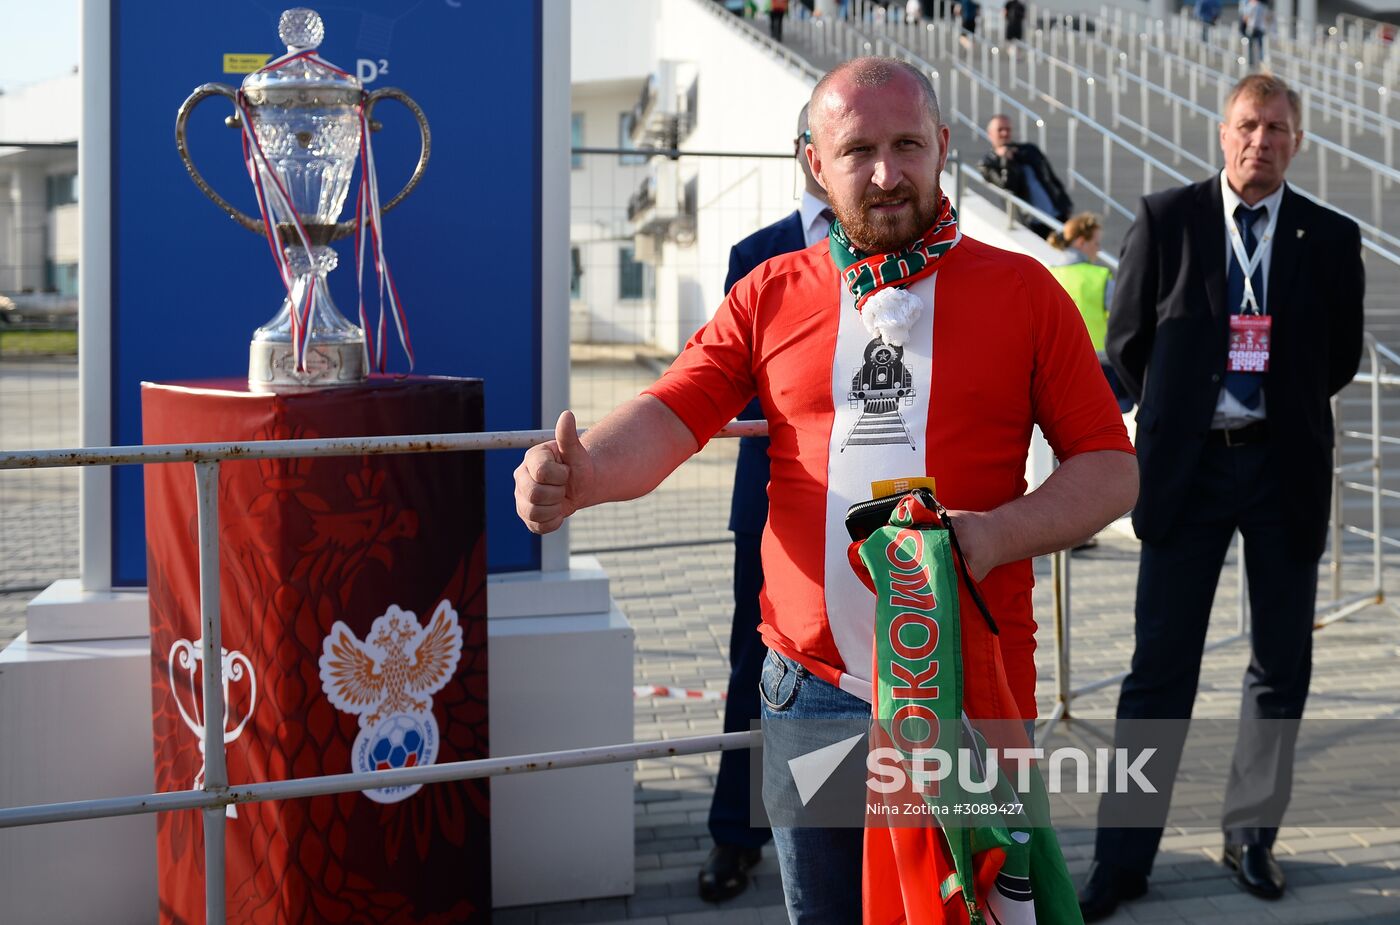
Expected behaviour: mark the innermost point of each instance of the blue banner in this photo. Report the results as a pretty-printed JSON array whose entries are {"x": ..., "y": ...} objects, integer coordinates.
[{"x": 189, "y": 286}]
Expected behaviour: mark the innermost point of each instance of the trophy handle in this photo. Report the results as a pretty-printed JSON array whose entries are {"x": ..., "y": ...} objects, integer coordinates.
[
  {"x": 182, "y": 145},
  {"x": 345, "y": 229}
]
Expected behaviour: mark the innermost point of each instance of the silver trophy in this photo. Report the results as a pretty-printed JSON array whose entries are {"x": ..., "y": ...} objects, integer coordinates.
[{"x": 304, "y": 125}]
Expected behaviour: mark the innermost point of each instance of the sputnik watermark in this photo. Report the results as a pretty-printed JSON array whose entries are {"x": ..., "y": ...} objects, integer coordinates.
[{"x": 924, "y": 770}]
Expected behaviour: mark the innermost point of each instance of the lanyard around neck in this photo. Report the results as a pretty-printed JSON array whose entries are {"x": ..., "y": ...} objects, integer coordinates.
[{"x": 1249, "y": 305}]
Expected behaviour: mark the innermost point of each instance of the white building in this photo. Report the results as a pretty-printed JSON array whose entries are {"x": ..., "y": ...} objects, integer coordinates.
[
  {"x": 650, "y": 237},
  {"x": 612, "y": 294},
  {"x": 39, "y": 187}
]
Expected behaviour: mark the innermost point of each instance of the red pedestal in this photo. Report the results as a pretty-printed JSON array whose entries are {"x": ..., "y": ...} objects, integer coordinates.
[{"x": 353, "y": 592}]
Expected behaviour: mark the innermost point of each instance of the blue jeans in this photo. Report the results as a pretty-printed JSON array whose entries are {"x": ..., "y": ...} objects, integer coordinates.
[{"x": 821, "y": 867}]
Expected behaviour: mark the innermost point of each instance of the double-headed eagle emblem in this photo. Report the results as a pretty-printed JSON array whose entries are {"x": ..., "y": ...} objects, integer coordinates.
[{"x": 396, "y": 669}]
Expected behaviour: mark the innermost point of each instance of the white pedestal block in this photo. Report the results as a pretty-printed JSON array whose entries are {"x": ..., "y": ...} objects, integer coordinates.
[
  {"x": 64, "y": 612},
  {"x": 75, "y": 724},
  {"x": 556, "y": 683}
]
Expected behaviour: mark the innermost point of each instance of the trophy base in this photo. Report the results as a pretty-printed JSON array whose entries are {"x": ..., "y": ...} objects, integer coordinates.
[{"x": 272, "y": 367}]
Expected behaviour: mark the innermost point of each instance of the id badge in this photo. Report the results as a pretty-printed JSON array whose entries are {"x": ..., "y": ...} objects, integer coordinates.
[{"x": 1249, "y": 343}]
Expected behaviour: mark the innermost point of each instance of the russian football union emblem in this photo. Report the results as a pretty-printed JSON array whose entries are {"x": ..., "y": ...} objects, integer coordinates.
[{"x": 387, "y": 680}]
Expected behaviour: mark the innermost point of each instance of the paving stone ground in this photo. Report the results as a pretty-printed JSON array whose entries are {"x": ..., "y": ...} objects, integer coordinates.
[{"x": 678, "y": 600}]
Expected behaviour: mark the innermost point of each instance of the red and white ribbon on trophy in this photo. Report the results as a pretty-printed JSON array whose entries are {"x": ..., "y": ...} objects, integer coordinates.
[{"x": 273, "y": 199}]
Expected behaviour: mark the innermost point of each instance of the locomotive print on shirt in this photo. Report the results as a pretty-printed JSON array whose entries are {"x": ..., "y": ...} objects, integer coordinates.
[{"x": 882, "y": 385}]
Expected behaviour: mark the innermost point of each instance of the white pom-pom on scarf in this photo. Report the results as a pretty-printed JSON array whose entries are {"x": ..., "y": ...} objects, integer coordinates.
[{"x": 890, "y": 313}]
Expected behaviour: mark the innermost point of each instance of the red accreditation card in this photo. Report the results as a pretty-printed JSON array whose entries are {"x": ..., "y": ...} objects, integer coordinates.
[{"x": 1249, "y": 343}]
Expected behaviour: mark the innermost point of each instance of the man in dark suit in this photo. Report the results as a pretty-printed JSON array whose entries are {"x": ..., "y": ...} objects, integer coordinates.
[
  {"x": 1218, "y": 280},
  {"x": 725, "y": 872}
]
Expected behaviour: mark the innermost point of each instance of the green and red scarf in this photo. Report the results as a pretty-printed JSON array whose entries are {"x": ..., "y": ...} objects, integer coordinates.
[
  {"x": 1003, "y": 867},
  {"x": 866, "y": 274}
]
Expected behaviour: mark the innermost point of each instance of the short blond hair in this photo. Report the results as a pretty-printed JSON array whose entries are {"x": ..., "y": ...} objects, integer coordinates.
[{"x": 1262, "y": 87}]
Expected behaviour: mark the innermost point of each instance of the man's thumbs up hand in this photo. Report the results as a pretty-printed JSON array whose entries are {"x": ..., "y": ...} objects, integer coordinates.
[{"x": 552, "y": 479}]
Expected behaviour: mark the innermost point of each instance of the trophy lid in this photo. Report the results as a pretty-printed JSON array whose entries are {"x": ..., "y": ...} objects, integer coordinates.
[{"x": 302, "y": 30}]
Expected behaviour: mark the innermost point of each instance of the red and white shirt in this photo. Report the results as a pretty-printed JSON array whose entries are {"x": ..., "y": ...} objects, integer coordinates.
[{"x": 998, "y": 347}]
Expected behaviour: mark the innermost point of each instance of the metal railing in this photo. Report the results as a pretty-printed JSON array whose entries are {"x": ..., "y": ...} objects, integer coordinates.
[
  {"x": 1350, "y": 116},
  {"x": 1375, "y": 238},
  {"x": 975, "y": 46},
  {"x": 1004, "y": 103},
  {"x": 1339, "y": 607},
  {"x": 751, "y": 34},
  {"x": 1329, "y": 63},
  {"x": 1379, "y": 41},
  {"x": 216, "y": 792}
]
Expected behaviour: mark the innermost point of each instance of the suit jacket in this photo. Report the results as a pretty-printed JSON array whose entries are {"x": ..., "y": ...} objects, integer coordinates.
[
  {"x": 1168, "y": 334},
  {"x": 748, "y": 511}
]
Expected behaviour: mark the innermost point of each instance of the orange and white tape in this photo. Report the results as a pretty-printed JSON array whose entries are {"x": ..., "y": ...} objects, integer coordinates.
[{"x": 676, "y": 693}]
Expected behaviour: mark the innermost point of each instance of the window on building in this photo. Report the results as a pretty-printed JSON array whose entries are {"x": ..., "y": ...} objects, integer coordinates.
[
  {"x": 61, "y": 189},
  {"x": 575, "y": 272},
  {"x": 61, "y": 278},
  {"x": 576, "y": 139},
  {"x": 631, "y": 275},
  {"x": 625, "y": 121}
]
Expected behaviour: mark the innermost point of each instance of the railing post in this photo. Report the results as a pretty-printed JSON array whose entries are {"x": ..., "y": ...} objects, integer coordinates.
[
  {"x": 1115, "y": 91},
  {"x": 206, "y": 480},
  {"x": 1107, "y": 174},
  {"x": 1384, "y": 93},
  {"x": 1375, "y": 199},
  {"x": 1073, "y": 148},
  {"x": 957, "y": 181},
  {"x": 1063, "y": 613},
  {"x": 1377, "y": 514},
  {"x": 1327, "y": 89},
  {"x": 1142, "y": 96},
  {"x": 1334, "y": 566},
  {"x": 951, "y": 101},
  {"x": 1346, "y": 135},
  {"x": 1242, "y": 586},
  {"x": 974, "y": 95}
]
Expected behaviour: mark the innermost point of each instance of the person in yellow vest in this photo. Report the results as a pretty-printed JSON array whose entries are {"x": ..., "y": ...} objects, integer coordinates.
[{"x": 1090, "y": 285}]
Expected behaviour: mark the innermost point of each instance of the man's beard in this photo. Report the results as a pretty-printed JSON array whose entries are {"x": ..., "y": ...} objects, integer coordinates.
[{"x": 876, "y": 234}]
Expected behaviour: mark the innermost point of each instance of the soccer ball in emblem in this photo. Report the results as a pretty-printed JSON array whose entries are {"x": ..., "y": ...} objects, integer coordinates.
[{"x": 399, "y": 742}]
